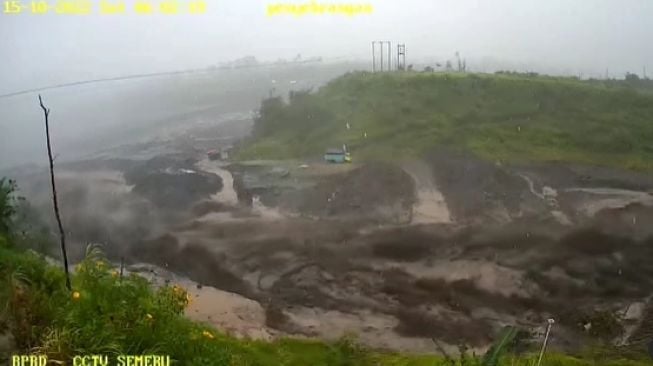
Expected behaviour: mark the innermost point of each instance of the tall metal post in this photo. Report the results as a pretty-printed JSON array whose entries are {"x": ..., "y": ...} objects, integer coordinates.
[
  {"x": 381, "y": 43},
  {"x": 373, "y": 57},
  {"x": 401, "y": 57}
]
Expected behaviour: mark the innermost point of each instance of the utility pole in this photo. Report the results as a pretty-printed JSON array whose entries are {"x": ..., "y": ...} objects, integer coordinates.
[
  {"x": 389, "y": 56},
  {"x": 381, "y": 42},
  {"x": 384, "y": 54},
  {"x": 373, "y": 57},
  {"x": 401, "y": 57}
]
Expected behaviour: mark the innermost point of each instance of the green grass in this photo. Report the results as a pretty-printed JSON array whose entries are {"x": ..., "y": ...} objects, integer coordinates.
[
  {"x": 498, "y": 117},
  {"x": 109, "y": 316}
]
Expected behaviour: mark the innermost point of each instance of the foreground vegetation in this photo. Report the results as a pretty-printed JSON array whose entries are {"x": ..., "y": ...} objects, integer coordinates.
[
  {"x": 500, "y": 117},
  {"x": 107, "y": 314}
]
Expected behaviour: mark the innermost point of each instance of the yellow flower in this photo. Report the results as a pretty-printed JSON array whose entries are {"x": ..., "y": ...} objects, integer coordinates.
[
  {"x": 207, "y": 334},
  {"x": 76, "y": 295},
  {"x": 149, "y": 316}
]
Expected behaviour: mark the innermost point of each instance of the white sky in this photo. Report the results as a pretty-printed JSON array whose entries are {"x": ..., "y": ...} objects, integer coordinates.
[{"x": 572, "y": 36}]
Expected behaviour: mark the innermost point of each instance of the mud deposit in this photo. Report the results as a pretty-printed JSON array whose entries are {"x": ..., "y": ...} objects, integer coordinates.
[
  {"x": 172, "y": 183},
  {"x": 449, "y": 247},
  {"x": 375, "y": 191}
]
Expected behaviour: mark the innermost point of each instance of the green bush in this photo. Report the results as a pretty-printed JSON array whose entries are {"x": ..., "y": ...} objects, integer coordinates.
[{"x": 7, "y": 204}]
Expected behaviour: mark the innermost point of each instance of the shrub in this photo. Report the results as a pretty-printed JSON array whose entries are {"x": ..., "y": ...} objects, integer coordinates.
[{"x": 7, "y": 204}]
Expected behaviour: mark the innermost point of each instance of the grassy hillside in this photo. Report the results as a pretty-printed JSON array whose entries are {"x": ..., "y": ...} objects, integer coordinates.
[{"x": 499, "y": 117}]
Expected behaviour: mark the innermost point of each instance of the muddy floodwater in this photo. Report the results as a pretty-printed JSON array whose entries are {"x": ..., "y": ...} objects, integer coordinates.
[
  {"x": 395, "y": 253},
  {"x": 227, "y": 195},
  {"x": 446, "y": 246}
]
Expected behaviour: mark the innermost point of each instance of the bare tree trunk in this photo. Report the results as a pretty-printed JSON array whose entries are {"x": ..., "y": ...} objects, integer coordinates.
[
  {"x": 122, "y": 266},
  {"x": 62, "y": 235}
]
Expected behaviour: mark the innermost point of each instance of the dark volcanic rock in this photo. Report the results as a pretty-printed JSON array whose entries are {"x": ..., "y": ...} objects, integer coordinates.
[{"x": 172, "y": 183}]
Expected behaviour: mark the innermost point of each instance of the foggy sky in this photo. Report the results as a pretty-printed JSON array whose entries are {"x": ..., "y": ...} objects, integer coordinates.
[{"x": 560, "y": 36}]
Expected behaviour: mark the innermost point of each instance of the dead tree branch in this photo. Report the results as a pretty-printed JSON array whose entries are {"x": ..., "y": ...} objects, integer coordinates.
[
  {"x": 446, "y": 356},
  {"x": 62, "y": 235}
]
